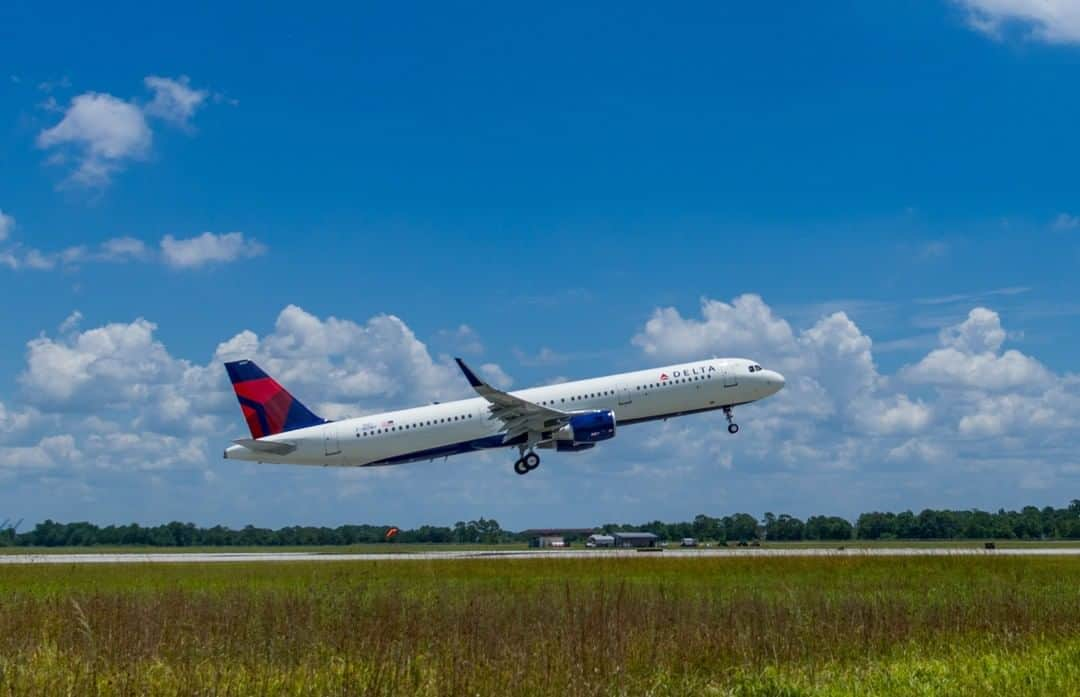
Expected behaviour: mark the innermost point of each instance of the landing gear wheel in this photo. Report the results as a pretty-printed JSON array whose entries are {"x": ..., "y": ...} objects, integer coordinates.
[
  {"x": 531, "y": 461},
  {"x": 732, "y": 427},
  {"x": 520, "y": 467}
]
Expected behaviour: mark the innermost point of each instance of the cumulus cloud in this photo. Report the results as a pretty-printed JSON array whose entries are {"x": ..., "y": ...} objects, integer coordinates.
[
  {"x": 100, "y": 133},
  {"x": 208, "y": 248},
  {"x": 380, "y": 361},
  {"x": 834, "y": 351},
  {"x": 114, "y": 399},
  {"x": 1053, "y": 21},
  {"x": 127, "y": 403},
  {"x": 111, "y": 364},
  {"x": 48, "y": 453},
  {"x": 174, "y": 99},
  {"x": 745, "y": 325},
  {"x": 970, "y": 357},
  {"x": 839, "y": 413}
]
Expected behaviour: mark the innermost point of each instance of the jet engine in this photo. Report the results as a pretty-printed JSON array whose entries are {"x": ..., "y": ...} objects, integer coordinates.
[{"x": 586, "y": 428}]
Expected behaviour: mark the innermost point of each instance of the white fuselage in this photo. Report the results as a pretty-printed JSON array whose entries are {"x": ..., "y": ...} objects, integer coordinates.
[{"x": 451, "y": 428}]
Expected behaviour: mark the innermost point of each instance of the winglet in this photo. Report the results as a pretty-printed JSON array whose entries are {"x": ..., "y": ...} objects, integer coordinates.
[{"x": 469, "y": 374}]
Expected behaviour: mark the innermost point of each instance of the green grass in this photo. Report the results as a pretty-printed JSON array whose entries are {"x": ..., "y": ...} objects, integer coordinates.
[{"x": 638, "y": 625}]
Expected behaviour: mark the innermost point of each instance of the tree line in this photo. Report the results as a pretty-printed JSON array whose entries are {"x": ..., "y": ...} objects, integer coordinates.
[{"x": 1030, "y": 523}]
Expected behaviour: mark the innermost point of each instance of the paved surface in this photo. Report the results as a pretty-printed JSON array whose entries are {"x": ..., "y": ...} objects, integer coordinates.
[{"x": 224, "y": 557}]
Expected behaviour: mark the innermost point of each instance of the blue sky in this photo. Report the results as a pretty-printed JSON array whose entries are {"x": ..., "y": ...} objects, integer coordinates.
[{"x": 879, "y": 199}]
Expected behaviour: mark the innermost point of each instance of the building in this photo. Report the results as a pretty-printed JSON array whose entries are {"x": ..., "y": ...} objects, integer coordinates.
[
  {"x": 600, "y": 541},
  {"x": 636, "y": 539},
  {"x": 554, "y": 537}
]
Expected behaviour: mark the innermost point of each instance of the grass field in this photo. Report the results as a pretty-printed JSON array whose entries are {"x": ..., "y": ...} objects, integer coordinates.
[{"x": 765, "y": 626}]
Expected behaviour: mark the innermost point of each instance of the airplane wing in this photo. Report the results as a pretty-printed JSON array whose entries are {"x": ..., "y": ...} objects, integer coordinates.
[{"x": 520, "y": 415}]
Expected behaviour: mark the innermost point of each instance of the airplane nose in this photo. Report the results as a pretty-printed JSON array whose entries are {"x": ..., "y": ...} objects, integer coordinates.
[{"x": 776, "y": 380}]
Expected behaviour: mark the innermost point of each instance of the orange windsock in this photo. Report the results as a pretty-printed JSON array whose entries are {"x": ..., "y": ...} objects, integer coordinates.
[{"x": 391, "y": 532}]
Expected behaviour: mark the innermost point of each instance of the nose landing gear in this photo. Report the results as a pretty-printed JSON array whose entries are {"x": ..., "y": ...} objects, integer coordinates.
[
  {"x": 732, "y": 427},
  {"x": 527, "y": 463}
]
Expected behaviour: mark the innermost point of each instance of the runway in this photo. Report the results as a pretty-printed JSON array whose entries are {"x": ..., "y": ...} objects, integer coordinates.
[{"x": 263, "y": 557}]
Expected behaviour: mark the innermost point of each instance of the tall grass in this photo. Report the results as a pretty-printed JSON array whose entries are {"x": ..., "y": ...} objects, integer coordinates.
[{"x": 924, "y": 625}]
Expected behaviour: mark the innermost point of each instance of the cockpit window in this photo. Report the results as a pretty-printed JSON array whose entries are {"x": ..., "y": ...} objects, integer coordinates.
[{"x": 755, "y": 367}]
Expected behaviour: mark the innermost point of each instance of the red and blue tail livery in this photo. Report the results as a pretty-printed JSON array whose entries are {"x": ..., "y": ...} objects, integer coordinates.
[{"x": 268, "y": 407}]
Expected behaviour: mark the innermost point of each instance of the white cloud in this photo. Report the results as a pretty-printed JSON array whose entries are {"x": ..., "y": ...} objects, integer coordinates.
[
  {"x": 104, "y": 133},
  {"x": 1053, "y": 21},
  {"x": 71, "y": 322},
  {"x": 174, "y": 99},
  {"x": 130, "y": 405},
  {"x": 15, "y": 422},
  {"x": 102, "y": 366},
  {"x": 496, "y": 376},
  {"x": 7, "y": 224},
  {"x": 893, "y": 415},
  {"x": 116, "y": 400},
  {"x": 123, "y": 249},
  {"x": 744, "y": 327},
  {"x": 970, "y": 357},
  {"x": 981, "y": 332},
  {"x": 45, "y": 454},
  {"x": 190, "y": 253},
  {"x": 838, "y": 413},
  {"x": 208, "y": 248},
  {"x": 378, "y": 362}
]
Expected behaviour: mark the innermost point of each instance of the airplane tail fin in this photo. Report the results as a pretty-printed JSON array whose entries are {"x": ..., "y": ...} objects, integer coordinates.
[{"x": 268, "y": 407}]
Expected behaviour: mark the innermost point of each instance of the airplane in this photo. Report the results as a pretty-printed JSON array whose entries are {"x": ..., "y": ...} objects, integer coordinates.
[{"x": 567, "y": 417}]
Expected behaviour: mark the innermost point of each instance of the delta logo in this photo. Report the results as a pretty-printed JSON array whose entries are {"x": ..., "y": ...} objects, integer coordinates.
[{"x": 688, "y": 372}]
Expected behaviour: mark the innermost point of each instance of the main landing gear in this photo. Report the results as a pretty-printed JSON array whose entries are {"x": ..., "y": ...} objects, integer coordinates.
[
  {"x": 527, "y": 463},
  {"x": 732, "y": 427}
]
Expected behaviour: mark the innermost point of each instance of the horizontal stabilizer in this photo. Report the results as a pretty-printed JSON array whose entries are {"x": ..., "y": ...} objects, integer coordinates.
[{"x": 266, "y": 446}]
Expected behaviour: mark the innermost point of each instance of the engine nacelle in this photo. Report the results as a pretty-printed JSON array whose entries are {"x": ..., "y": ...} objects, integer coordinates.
[{"x": 590, "y": 427}]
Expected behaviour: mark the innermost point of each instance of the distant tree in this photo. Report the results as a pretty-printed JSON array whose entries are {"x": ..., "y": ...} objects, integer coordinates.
[
  {"x": 741, "y": 526},
  {"x": 875, "y": 526},
  {"x": 827, "y": 528},
  {"x": 707, "y": 528}
]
